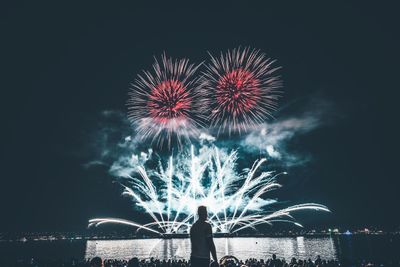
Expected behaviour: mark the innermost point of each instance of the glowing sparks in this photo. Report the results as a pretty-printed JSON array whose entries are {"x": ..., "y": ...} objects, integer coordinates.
[
  {"x": 236, "y": 201},
  {"x": 164, "y": 104},
  {"x": 236, "y": 92},
  {"x": 241, "y": 88}
]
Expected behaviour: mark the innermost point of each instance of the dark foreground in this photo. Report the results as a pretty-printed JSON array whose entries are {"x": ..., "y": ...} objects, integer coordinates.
[
  {"x": 228, "y": 261},
  {"x": 382, "y": 250}
]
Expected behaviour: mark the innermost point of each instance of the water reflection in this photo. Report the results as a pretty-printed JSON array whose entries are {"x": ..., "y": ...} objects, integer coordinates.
[{"x": 241, "y": 247}]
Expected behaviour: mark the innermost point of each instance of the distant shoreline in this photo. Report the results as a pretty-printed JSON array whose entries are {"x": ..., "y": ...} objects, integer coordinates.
[{"x": 102, "y": 236}]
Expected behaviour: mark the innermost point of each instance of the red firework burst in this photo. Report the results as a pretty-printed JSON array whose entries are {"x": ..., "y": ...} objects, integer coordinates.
[
  {"x": 169, "y": 100},
  {"x": 165, "y": 104},
  {"x": 241, "y": 89},
  {"x": 238, "y": 91}
]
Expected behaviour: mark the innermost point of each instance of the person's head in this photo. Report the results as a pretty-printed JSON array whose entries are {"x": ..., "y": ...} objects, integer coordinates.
[
  {"x": 274, "y": 256},
  {"x": 96, "y": 262},
  {"x": 202, "y": 212},
  {"x": 134, "y": 262}
]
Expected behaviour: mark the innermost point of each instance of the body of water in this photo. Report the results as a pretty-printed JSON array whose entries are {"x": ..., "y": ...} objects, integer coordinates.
[
  {"x": 240, "y": 247},
  {"x": 379, "y": 248}
]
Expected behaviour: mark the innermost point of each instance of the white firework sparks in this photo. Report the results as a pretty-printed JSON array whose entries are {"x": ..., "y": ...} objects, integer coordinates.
[{"x": 235, "y": 201}]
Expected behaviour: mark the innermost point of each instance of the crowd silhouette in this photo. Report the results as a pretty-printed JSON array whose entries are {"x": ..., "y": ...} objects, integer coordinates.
[{"x": 153, "y": 262}]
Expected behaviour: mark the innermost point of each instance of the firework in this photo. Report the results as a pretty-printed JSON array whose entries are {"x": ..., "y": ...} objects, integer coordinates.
[
  {"x": 236, "y": 201},
  {"x": 165, "y": 104},
  {"x": 242, "y": 89}
]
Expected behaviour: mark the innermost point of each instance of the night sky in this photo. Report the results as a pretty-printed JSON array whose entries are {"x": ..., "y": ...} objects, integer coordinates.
[{"x": 63, "y": 65}]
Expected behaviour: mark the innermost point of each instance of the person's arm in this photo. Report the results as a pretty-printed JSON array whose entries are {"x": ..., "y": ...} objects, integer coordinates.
[{"x": 211, "y": 244}]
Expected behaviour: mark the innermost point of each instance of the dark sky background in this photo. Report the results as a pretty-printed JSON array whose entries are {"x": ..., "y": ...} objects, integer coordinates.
[{"x": 62, "y": 65}]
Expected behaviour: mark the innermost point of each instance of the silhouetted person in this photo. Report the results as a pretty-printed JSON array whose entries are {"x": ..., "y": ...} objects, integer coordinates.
[
  {"x": 202, "y": 241},
  {"x": 134, "y": 262},
  {"x": 318, "y": 261},
  {"x": 274, "y": 262},
  {"x": 96, "y": 262}
]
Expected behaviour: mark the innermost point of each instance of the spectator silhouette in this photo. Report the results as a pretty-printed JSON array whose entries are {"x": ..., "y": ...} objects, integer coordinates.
[
  {"x": 275, "y": 262},
  {"x": 202, "y": 241},
  {"x": 96, "y": 262},
  {"x": 134, "y": 262},
  {"x": 318, "y": 261}
]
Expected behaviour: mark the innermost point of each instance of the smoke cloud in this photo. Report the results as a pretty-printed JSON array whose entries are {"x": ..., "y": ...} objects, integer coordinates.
[
  {"x": 118, "y": 148},
  {"x": 272, "y": 139}
]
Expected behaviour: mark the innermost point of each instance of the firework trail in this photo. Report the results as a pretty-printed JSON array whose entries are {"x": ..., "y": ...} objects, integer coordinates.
[
  {"x": 237, "y": 91},
  {"x": 236, "y": 201},
  {"x": 242, "y": 89},
  {"x": 165, "y": 104}
]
